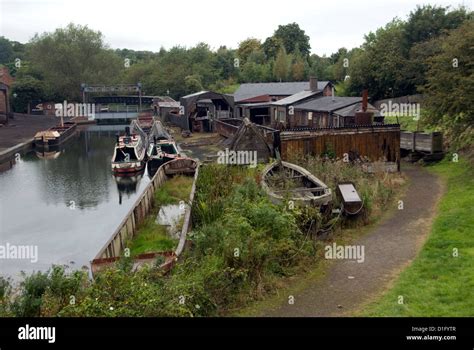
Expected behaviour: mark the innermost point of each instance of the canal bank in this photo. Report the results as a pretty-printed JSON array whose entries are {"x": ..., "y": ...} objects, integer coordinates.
[{"x": 22, "y": 128}]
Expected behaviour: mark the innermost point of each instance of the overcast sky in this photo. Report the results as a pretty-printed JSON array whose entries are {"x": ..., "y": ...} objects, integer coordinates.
[{"x": 148, "y": 24}]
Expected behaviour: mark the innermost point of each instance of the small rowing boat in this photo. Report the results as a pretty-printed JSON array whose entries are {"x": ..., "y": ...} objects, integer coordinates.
[
  {"x": 287, "y": 181},
  {"x": 181, "y": 166}
]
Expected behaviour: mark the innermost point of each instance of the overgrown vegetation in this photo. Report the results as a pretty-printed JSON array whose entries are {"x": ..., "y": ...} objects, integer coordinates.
[
  {"x": 375, "y": 190},
  {"x": 242, "y": 246},
  {"x": 152, "y": 237},
  {"x": 441, "y": 279}
]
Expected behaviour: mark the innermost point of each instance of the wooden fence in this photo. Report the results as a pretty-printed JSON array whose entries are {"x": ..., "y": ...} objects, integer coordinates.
[{"x": 373, "y": 142}]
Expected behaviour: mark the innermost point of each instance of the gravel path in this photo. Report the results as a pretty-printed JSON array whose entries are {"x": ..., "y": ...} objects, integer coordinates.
[{"x": 389, "y": 248}]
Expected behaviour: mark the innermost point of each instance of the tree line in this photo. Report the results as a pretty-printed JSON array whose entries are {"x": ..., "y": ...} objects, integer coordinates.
[{"x": 429, "y": 52}]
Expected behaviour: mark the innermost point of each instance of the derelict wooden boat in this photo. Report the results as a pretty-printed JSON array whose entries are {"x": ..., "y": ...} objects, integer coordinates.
[
  {"x": 145, "y": 120},
  {"x": 55, "y": 136},
  {"x": 180, "y": 166},
  {"x": 286, "y": 181},
  {"x": 161, "y": 148}
]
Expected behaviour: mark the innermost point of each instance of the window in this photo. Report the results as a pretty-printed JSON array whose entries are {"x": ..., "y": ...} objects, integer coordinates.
[
  {"x": 310, "y": 115},
  {"x": 281, "y": 116}
]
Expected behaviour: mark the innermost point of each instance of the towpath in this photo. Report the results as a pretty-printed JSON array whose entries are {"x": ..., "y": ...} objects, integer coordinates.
[
  {"x": 23, "y": 128},
  {"x": 389, "y": 248}
]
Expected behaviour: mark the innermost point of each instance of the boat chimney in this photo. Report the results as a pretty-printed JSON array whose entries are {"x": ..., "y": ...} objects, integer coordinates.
[
  {"x": 313, "y": 83},
  {"x": 127, "y": 131}
]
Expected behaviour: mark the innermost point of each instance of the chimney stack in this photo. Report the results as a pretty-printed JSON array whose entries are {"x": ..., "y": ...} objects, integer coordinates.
[
  {"x": 365, "y": 96},
  {"x": 313, "y": 83},
  {"x": 363, "y": 117},
  {"x": 332, "y": 94}
]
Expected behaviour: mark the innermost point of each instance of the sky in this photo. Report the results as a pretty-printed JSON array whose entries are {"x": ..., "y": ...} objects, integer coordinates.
[{"x": 150, "y": 25}]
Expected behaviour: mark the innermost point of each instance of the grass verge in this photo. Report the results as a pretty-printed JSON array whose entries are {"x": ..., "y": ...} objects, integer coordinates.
[
  {"x": 441, "y": 279},
  {"x": 152, "y": 237}
]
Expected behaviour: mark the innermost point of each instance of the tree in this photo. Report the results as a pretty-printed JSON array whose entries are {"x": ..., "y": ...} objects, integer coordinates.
[
  {"x": 318, "y": 67},
  {"x": 271, "y": 46},
  {"x": 427, "y": 22},
  {"x": 380, "y": 65},
  {"x": 193, "y": 83},
  {"x": 291, "y": 36},
  {"x": 6, "y": 51},
  {"x": 246, "y": 47},
  {"x": 73, "y": 55},
  {"x": 298, "y": 68},
  {"x": 24, "y": 91},
  {"x": 280, "y": 68},
  {"x": 450, "y": 76},
  {"x": 225, "y": 63}
]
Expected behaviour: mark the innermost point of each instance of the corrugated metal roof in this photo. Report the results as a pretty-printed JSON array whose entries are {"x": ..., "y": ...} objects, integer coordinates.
[
  {"x": 249, "y": 90},
  {"x": 296, "y": 97},
  {"x": 327, "y": 103}
]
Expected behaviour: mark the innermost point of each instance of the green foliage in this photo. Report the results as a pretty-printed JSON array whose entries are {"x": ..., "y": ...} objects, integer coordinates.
[
  {"x": 28, "y": 304},
  {"x": 450, "y": 86},
  {"x": 70, "y": 56},
  {"x": 393, "y": 61},
  {"x": 6, "y": 50},
  {"x": 24, "y": 91},
  {"x": 46, "y": 293},
  {"x": 246, "y": 48},
  {"x": 292, "y": 37},
  {"x": 281, "y": 66}
]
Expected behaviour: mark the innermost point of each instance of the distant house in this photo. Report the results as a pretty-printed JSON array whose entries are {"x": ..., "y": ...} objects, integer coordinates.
[
  {"x": 163, "y": 105},
  {"x": 255, "y": 100},
  {"x": 319, "y": 112},
  {"x": 330, "y": 111}
]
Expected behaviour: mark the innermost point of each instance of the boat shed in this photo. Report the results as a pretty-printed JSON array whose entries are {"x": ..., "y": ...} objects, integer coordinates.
[{"x": 202, "y": 107}]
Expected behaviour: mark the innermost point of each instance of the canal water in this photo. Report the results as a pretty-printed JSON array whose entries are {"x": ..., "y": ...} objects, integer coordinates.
[{"x": 65, "y": 203}]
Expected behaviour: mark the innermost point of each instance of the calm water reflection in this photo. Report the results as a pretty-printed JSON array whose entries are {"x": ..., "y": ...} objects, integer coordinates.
[{"x": 66, "y": 203}]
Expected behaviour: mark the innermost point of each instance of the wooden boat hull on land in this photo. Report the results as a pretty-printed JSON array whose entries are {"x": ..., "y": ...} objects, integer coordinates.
[
  {"x": 180, "y": 166},
  {"x": 311, "y": 191}
]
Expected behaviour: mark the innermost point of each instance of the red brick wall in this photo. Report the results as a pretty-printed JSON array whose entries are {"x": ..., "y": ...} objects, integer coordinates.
[
  {"x": 5, "y": 76},
  {"x": 3, "y": 102}
]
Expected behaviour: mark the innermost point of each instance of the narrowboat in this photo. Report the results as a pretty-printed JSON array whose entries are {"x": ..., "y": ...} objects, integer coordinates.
[
  {"x": 161, "y": 148},
  {"x": 55, "y": 136},
  {"x": 130, "y": 151}
]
